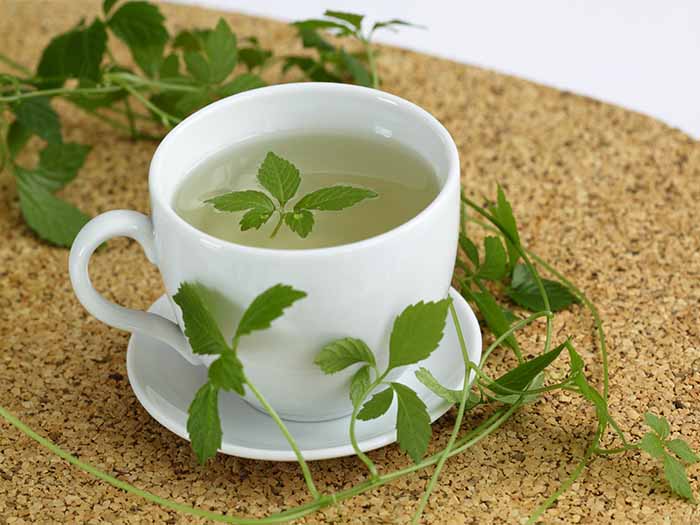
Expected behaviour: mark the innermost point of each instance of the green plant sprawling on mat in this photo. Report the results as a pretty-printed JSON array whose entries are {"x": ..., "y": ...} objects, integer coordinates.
[
  {"x": 281, "y": 179},
  {"x": 503, "y": 273},
  {"x": 174, "y": 76}
]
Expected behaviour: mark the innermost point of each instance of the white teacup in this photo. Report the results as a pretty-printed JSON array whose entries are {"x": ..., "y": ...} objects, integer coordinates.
[{"x": 353, "y": 290}]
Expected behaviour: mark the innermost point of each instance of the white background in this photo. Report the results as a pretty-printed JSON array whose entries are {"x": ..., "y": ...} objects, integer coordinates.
[{"x": 640, "y": 54}]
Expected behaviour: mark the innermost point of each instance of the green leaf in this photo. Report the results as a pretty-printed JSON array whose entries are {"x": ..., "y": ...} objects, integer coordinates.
[
  {"x": 107, "y": 6},
  {"x": 96, "y": 100},
  {"x": 504, "y": 213},
  {"x": 280, "y": 177},
  {"x": 470, "y": 249},
  {"x": 681, "y": 449},
  {"x": 140, "y": 26},
  {"x": 254, "y": 56},
  {"x": 652, "y": 445},
  {"x": 311, "y": 39},
  {"x": 191, "y": 102},
  {"x": 334, "y": 198},
  {"x": 200, "y": 326},
  {"x": 197, "y": 66},
  {"x": 359, "y": 384},
  {"x": 677, "y": 478},
  {"x": 244, "y": 82},
  {"x": 354, "y": 19},
  {"x": 191, "y": 40},
  {"x": 417, "y": 332},
  {"x": 254, "y": 218},
  {"x": 590, "y": 393},
  {"x": 393, "y": 22},
  {"x": 59, "y": 164},
  {"x": 509, "y": 316},
  {"x": 519, "y": 377},
  {"x": 492, "y": 314},
  {"x": 413, "y": 430},
  {"x": 267, "y": 307},
  {"x": 300, "y": 222},
  {"x": 170, "y": 68},
  {"x": 75, "y": 54},
  {"x": 377, "y": 405},
  {"x": 494, "y": 266},
  {"x": 340, "y": 354},
  {"x": 220, "y": 47},
  {"x": 314, "y": 69},
  {"x": 658, "y": 424},
  {"x": 227, "y": 373},
  {"x": 525, "y": 292},
  {"x": 52, "y": 219},
  {"x": 242, "y": 200},
  {"x": 203, "y": 423},
  {"x": 38, "y": 117},
  {"x": 17, "y": 136},
  {"x": 357, "y": 70},
  {"x": 510, "y": 399},
  {"x": 311, "y": 25},
  {"x": 451, "y": 396}
]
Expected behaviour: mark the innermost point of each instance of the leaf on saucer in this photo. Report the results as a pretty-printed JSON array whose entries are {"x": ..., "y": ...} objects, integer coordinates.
[
  {"x": 267, "y": 307},
  {"x": 359, "y": 384},
  {"x": 280, "y": 177},
  {"x": 203, "y": 423},
  {"x": 340, "y": 354},
  {"x": 377, "y": 405},
  {"x": 200, "y": 326},
  {"x": 227, "y": 373},
  {"x": 413, "y": 430}
]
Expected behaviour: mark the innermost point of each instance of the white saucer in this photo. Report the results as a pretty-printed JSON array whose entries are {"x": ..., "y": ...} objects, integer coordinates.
[{"x": 165, "y": 384}]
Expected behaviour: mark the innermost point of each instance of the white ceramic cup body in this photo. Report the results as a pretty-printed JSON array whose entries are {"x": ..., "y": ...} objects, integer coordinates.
[{"x": 352, "y": 290}]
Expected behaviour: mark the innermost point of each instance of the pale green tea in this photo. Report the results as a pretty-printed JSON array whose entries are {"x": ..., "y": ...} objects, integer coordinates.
[{"x": 404, "y": 181}]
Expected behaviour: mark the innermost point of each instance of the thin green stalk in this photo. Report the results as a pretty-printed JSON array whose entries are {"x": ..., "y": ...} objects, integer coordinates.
[
  {"x": 60, "y": 91},
  {"x": 15, "y": 65},
  {"x": 514, "y": 328},
  {"x": 130, "y": 119},
  {"x": 371, "y": 62},
  {"x": 290, "y": 439},
  {"x": 166, "y": 118},
  {"x": 353, "y": 420},
  {"x": 131, "y": 79},
  {"x": 278, "y": 225}
]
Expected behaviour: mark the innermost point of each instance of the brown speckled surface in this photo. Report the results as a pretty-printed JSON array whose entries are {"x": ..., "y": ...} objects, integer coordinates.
[{"x": 609, "y": 196}]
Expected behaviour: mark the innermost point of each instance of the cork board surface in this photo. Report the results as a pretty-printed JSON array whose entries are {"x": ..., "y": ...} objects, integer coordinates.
[{"x": 606, "y": 195}]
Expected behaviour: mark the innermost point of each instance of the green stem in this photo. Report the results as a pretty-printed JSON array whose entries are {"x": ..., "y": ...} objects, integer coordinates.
[
  {"x": 278, "y": 225},
  {"x": 165, "y": 117},
  {"x": 15, "y": 65},
  {"x": 130, "y": 119},
  {"x": 290, "y": 439},
  {"x": 131, "y": 79},
  {"x": 513, "y": 328},
  {"x": 372, "y": 62},
  {"x": 61, "y": 91}
]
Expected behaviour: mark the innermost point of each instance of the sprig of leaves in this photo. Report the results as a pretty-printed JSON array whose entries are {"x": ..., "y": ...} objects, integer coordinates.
[{"x": 281, "y": 179}]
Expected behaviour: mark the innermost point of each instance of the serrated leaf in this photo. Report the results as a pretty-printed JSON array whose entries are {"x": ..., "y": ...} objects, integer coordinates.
[
  {"x": 658, "y": 424},
  {"x": 197, "y": 66},
  {"x": 280, "y": 177},
  {"x": 220, "y": 47},
  {"x": 377, "y": 405},
  {"x": 352, "y": 18},
  {"x": 357, "y": 69},
  {"x": 417, "y": 331},
  {"x": 227, "y": 373},
  {"x": 267, "y": 307},
  {"x": 17, "y": 136},
  {"x": 451, "y": 396},
  {"x": 681, "y": 449},
  {"x": 652, "y": 445},
  {"x": 244, "y": 82},
  {"x": 519, "y": 377},
  {"x": 677, "y": 478},
  {"x": 77, "y": 53},
  {"x": 492, "y": 314},
  {"x": 334, "y": 198},
  {"x": 170, "y": 67},
  {"x": 51, "y": 218},
  {"x": 413, "y": 430},
  {"x": 242, "y": 200},
  {"x": 191, "y": 40},
  {"x": 524, "y": 291},
  {"x": 59, "y": 164},
  {"x": 504, "y": 213},
  {"x": 203, "y": 423},
  {"x": 254, "y": 219},
  {"x": 359, "y": 384},
  {"x": 201, "y": 328},
  {"x": 342, "y": 353},
  {"x": 469, "y": 248},
  {"x": 38, "y": 117},
  {"x": 495, "y": 260},
  {"x": 300, "y": 222}
]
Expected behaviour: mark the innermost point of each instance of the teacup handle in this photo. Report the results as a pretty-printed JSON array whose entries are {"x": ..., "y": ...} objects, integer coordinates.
[{"x": 137, "y": 226}]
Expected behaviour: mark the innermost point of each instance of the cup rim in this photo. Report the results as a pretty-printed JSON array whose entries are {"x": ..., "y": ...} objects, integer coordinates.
[{"x": 294, "y": 87}]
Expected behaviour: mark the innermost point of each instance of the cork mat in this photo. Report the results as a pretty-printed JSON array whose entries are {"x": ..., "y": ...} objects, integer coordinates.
[{"x": 607, "y": 195}]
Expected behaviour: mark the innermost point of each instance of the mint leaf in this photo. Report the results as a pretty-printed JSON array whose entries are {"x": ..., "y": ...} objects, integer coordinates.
[
  {"x": 470, "y": 249},
  {"x": 220, "y": 47},
  {"x": 203, "y": 423},
  {"x": 241, "y": 83},
  {"x": 504, "y": 213},
  {"x": 300, "y": 222},
  {"x": 340, "y": 354},
  {"x": 357, "y": 70},
  {"x": 198, "y": 67},
  {"x": 227, "y": 373},
  {"x": 377, "y": 405},
  {"x": 242, "y": 200},
  {"x": 519, "y": 377},
  {"x": 107, "y": 6},
  {"x": 658, "y": 424},
  {"x": 524, "y": 291},
  {"x": 492, "y": 314},
  {"x": 59, "y": 164},
  {"x": 255, "y": 218},
  {"x": 267, "y": 307},
  {"x": 38, "y": 117},
  {"x": 681, "y": 449},
  {"x": 677, "y": 478},
  {"x": 451, "y": 396},
  {"x": 417, "y": 332},
  {"x": 359, "y": 384},
  {"x": 494, "y": 266},
  {"x": 17, "y": 137},
  {"x": 413, "y": 429},
  {"x": 280, "y": 177},
  {"x": 200, "y": 326},
  {"x": 652, "y": 445},
  {"x": 353, "y": 19},
  {"x": 140, "y": 26},
  {"x": 333, "y": 198},
  {"x": 75, "y": 54},
  {"x": 52, "y": 219}
]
